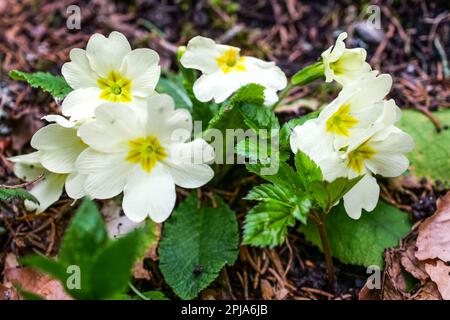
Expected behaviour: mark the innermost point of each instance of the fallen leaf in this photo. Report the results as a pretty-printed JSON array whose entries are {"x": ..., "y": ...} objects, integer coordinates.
[
  {"x": 29, "y": 280},
  {"x": 440, "y": 274},
  {"x": 267, "y": 290},
  {"x": 139, "y": 271},
  {"x": 433, "y": 240}
]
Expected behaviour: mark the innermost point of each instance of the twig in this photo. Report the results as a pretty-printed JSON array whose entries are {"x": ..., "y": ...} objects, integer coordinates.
[{"x": 22, "y": 185}]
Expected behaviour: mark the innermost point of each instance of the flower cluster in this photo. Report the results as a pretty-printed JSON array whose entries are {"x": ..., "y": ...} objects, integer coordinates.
[
  {"x": 121, "y": 135},
  {"x": 355, "y": 135}
]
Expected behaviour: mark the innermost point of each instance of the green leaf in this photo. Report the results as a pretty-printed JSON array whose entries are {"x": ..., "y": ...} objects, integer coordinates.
[
  {"x": 363, "y": 241},
  {"x": 267, "y": 224},
  {"x": 104, "y": 265},
  {"x": 266, "y": 192},
  {"x": 55, "y": 85},
  {"x": 197, "y": 242},
  {"x": 307, "y": 169},
  {"x": 111, "y": 269},
  {"x": 258, "y": 117},
  {"x": 155, "y": 295},
  {"x": 308, "y": 74},
  {"x": 52, "y": 267},
  {"x": 431, "y": 155},
  {"x": 251, "y": 93},
  {"x": 85, "y": 235},
  {"x": 326, "y": 194},
  {"x": 9, "y": 194},
  {"x": 285, "y": 175}
]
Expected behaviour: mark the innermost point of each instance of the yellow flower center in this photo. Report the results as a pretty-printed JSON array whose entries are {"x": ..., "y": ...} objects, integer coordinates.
[
  {"x": 231, "y": 61},
  {"x": 356, "y": 158},
  {"x": 146, "y": 151},
  {"x": 341, "y": 121},
  {"x": 115, "y": 87}
]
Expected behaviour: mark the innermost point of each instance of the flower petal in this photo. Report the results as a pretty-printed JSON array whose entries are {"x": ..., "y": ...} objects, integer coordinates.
[
  {"x": 201, "y": 54},
  {"x": 47, "y": 191},
  {"x": 217, "y": 86},
  {"x": 264, "y": 73},
  {"x": 149, "y": 195},
  {"x": 106, "y": 54},
  {"x": 81, "y": 103},
  {"x": 114, "y": 125},
  {"x": 27, "y": 167},
  {"x": 107, "y": 173},
  {"x": 141, "y": 67},
  {"x": 75, "y": 185},
  {"x": 78, "y": 72},
  {"x": 59, "y": 147},
  {"x": 364, "y": 195}
]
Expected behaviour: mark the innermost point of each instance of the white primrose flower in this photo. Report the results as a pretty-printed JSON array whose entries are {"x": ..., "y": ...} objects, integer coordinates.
[
  {"x": 377, "y": 152},
  {"x": 145, "y": 157},
  {"x": 224, "y": 71},
  {"x": 47, "y": 190},
  {"x": 357, "y": 108},
  {"x": 108, "y": 71},
  {"x": 344, "y": 65},
  {"x": 380, "y": 149},
  {"x": 58, "y": 148}
]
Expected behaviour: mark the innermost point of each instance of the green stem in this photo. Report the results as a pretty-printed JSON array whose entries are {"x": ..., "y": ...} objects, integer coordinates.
[{"x": 137, "y": 292}]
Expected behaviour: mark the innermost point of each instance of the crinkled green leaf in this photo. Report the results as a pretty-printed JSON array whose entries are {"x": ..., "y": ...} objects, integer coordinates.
[
  {"x": 251, "y": 93},
  {"x": 259, "y": 117},
  {"x": 307, "y": 169},
  {"x": 267, "y": 224},
  {"x": 196, "y": 244},
  {"x": 9, "y": 194},
  {"x": 363, "y": 241},
  {"x": 431, "y": 155},
  {"x": 55, "y": 85},
  {"x": 284, "y": 176}
]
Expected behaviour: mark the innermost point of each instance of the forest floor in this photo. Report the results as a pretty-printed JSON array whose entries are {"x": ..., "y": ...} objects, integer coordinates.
[{"x": 412, "y": 47}]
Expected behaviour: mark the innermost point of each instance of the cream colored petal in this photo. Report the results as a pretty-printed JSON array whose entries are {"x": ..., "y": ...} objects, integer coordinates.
[
  {"x": 150, "y": 194},
  {"x": 78, "y": 72},
  {"x": 201, "y": 54},
  {"x": 364, "y": 195},
  {"x": 141, "y": 67},
  {"x": 107, "y": 54}
]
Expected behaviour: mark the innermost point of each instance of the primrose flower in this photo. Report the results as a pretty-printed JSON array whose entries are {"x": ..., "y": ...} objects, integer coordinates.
[
  {"x": 108, "y": 71},
  {"x": 377, "y": 147},
  {"x": 356, "y": 109},
  {"x": 380, "y": 152},
  {"x": 224, "y": 71},
  {"x": 344, "y": 65},
  {"x": 58, "y": 148},
  {"x": 145, "y": 157}
]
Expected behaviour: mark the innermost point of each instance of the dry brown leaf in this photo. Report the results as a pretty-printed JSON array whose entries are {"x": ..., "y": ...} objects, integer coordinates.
[
  {"x": 440, "y": 273},
  {"x": 433, "y": 240},
  {"x": 266, "y": 289},
  {"x": 139, "y": 271},
  {"x": 31, "y": 281}
]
